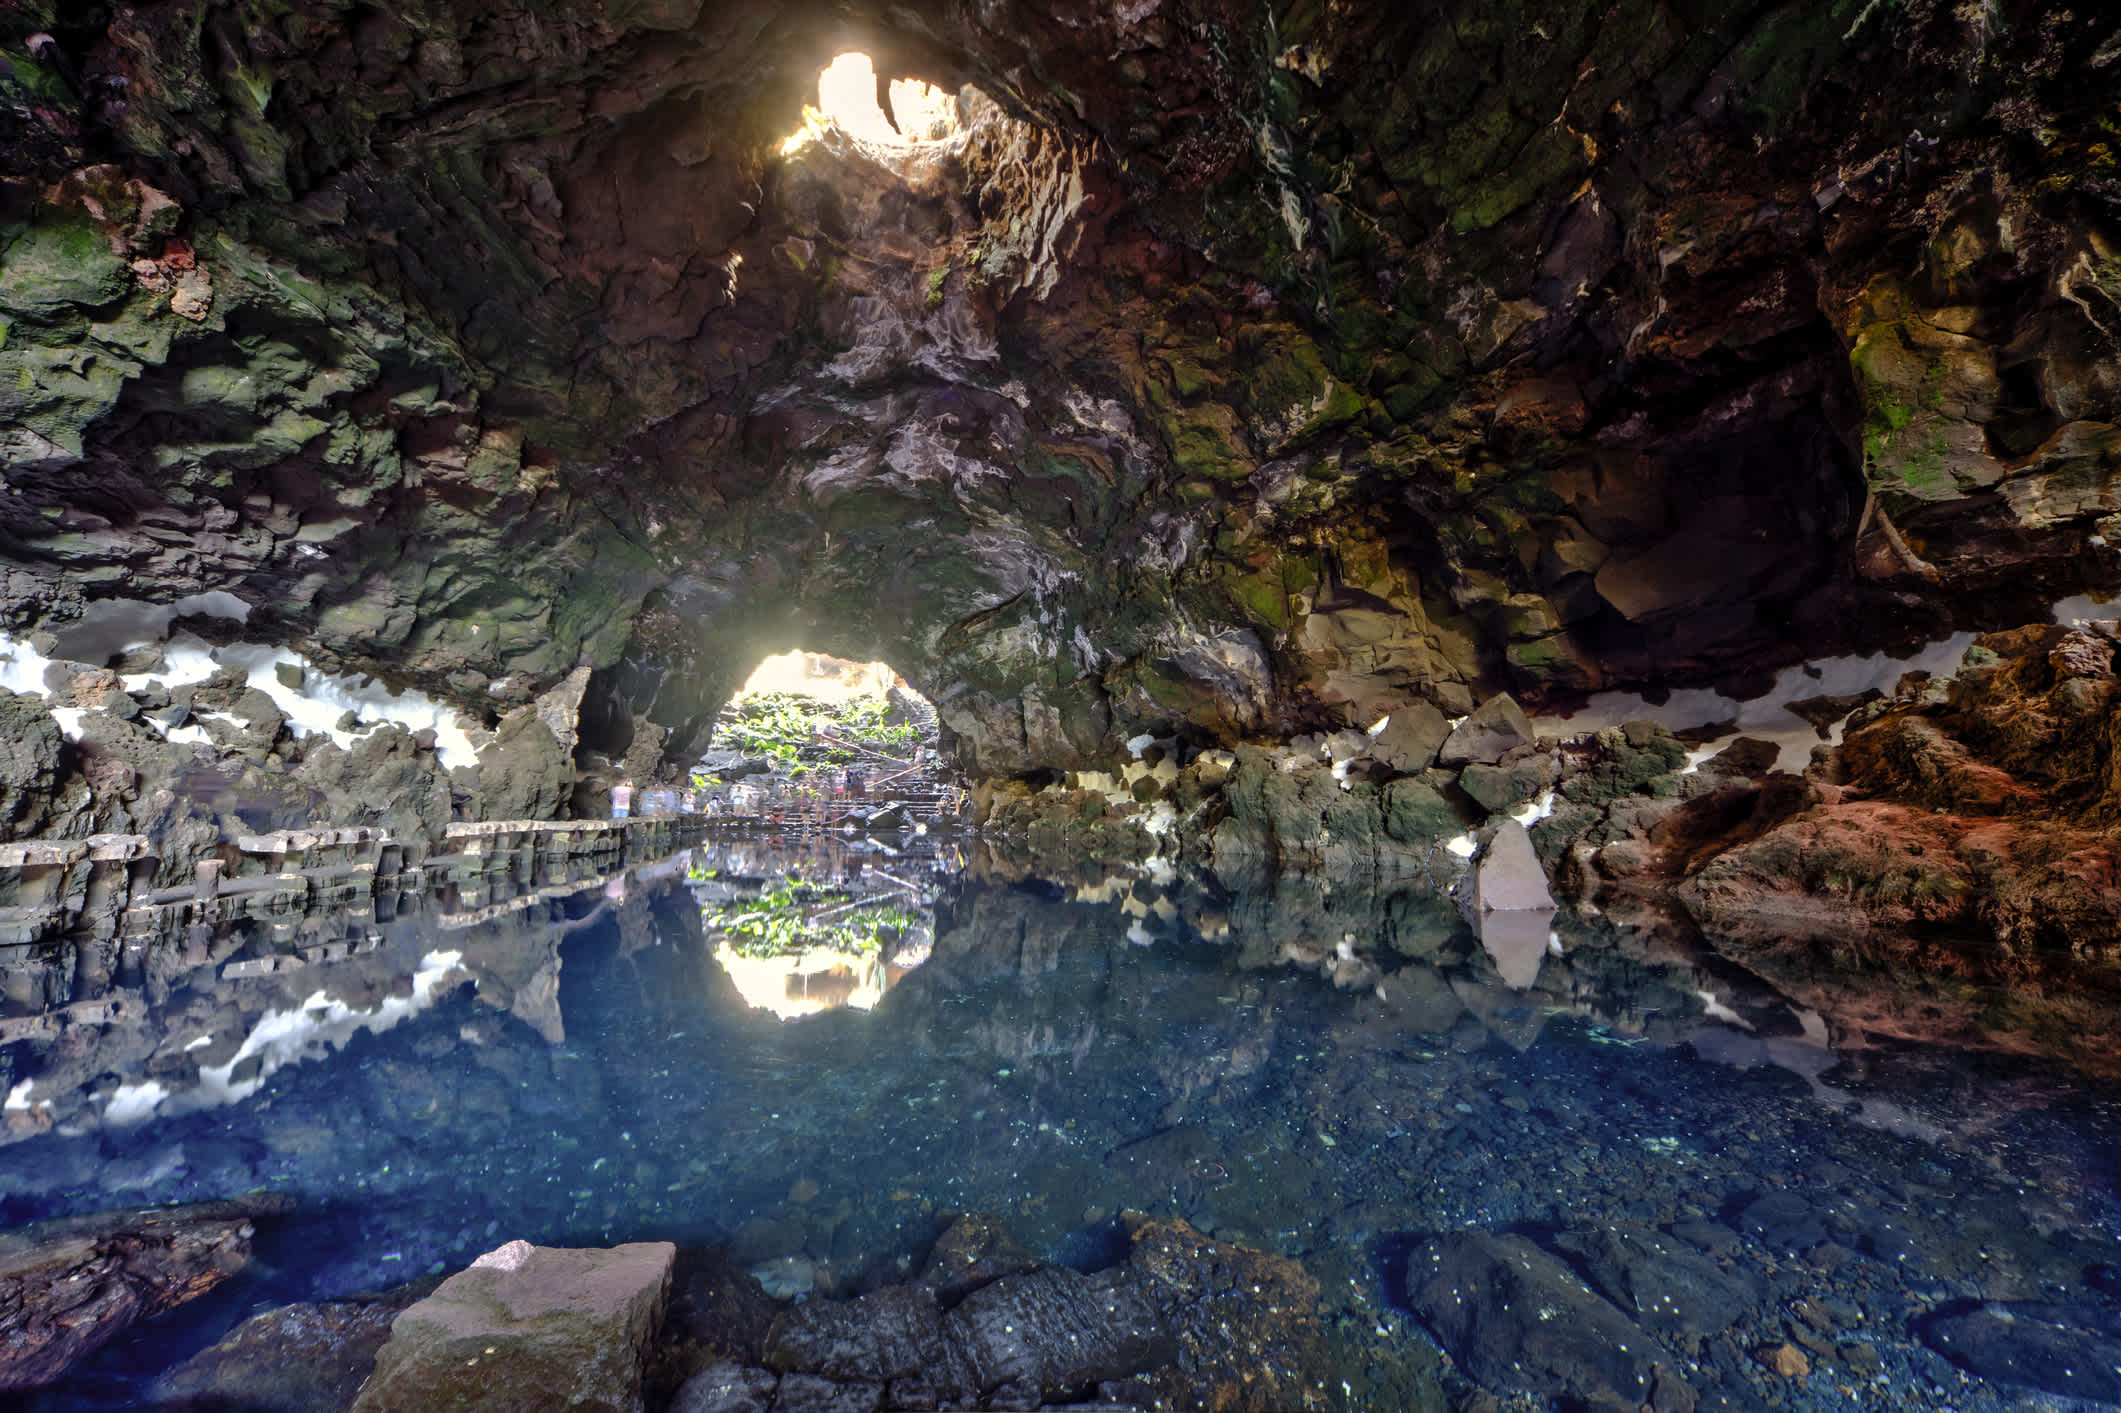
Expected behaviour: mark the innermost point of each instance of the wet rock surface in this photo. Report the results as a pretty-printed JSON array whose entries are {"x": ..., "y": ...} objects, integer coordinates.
[
  {"x": 1664, "y": 1127},
  {"x": 310, "y": 1358},
  {"x": 1185, "y": 1321},
  {"x": 1515, "y": 1317},
  {"x": 2072, "y": 1351}
]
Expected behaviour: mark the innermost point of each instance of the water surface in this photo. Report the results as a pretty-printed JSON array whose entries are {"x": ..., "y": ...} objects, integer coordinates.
[{"x": 814, "y": 1054}]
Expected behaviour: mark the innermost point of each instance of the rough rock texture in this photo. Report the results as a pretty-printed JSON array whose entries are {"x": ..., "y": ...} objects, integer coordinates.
[
  {"x": 1223, "y": 373},
  {"x": 1990, "y": 800},
  {"x": 31, "y": 750},
  {"x": 1185, "y": 1321},
  {"x": 69, "y": 1287},
  {"x": 297, "y": 1359},
  {"x": 528, "y": 1327},
  {"x": 1514, "y": 1317},
  {"x": 2067, "y": 1350}
]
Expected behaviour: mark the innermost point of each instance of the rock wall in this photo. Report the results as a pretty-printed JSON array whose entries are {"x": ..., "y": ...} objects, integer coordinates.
[{"x": 1227, "y": 374}]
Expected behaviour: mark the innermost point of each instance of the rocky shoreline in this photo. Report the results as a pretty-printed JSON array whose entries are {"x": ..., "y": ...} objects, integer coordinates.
[
  {"x": 1963, "y": 826},
  {"x": 1181, "y": 1321}
]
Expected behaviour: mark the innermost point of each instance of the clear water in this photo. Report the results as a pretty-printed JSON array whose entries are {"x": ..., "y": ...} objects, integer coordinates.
[{"x": 1332, "y": 1072}]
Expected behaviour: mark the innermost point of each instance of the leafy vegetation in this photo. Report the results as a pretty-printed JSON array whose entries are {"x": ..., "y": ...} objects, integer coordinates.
[
  {"x": 807, "y": 735},
  {"x": 792, "y": 915}
]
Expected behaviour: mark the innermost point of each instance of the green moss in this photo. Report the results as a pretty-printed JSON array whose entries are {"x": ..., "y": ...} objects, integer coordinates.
[
  {"x": 63, "y": 261},
  {"x": 1188, "y": 377},
  {"x": 936, "y": 277},
  {"x": 1260, "y": 598},
  {"x": 31, "y": 79}
]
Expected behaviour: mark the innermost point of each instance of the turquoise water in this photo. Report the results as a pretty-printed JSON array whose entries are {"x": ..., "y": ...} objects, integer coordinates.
[{"x": 1332, "y": 1072}]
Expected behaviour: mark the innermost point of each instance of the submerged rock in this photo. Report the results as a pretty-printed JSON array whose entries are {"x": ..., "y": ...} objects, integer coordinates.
[
  {"x": 527, "y": 1327},
  {"x": 1514, "y": 1318},
  {"x": 973, "y": 1251},
  {"x": 297, "y": 1359},
  {"x": 2057, "y": 1349},
  {"x": 1669, "y": 1284}
]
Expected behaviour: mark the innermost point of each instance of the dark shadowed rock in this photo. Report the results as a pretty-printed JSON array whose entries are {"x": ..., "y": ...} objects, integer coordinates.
[
  {"x": 1516, "y": 1318},
  {"x": 973, "y": 1251},
  {"x": 719, "y": 1308},
  {"x": 1784, "y": 1220},
  {"x": 1496, "y": 788},
  {"x": 1056, "y": 1331},
  {"x": 1748, "y": 756},
  {"x": 2056, "y": 1349},
  {"x": 297, "y": 1359},
  {"x": 893, "y": 1333},
  {"x": 809, "y": 1393},
  {"x": 726, "y": 1388},
  {"x": 29, "y": 763},
  {"x": 1667, "y": 1283}
]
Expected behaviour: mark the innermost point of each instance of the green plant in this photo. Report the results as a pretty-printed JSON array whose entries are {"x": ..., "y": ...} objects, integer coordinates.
[
  {"x": 806, "y": 735},
  {"x": 793, "y": 915}
]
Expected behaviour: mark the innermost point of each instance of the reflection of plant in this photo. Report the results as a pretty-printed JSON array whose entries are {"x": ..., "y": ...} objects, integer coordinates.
[
  {"x": 793, "y": 915},
  {"x": 805, "y": 734}
]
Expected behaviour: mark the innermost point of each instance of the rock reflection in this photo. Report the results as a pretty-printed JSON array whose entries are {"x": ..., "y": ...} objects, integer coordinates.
[{"x": 1331, "y": 1069}]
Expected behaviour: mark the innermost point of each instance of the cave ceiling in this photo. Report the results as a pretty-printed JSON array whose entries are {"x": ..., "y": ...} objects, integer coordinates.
[{"x": 1230, "y": 369}]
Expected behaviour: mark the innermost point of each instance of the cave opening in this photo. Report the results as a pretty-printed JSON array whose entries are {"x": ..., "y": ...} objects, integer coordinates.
[
  {"x": 877, "y": 114},
  {"x": 828, "y": 742}
]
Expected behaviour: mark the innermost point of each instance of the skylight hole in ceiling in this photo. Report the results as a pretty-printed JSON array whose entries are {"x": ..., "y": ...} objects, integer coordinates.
[{"x": 847, "y": 103}]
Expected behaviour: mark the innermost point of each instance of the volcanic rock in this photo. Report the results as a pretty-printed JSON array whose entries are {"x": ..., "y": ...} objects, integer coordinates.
[
  {"x": 527, "y": 1326},
  {"x": 1516, "y": 1318},
  {"x": 70, "y": 1286}
]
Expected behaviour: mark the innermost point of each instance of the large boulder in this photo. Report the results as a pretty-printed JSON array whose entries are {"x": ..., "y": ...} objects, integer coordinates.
[
  {"x": 1509, "y": 878},
  {"x": 527, "y": 1327},
  {"x": 1411, "y": 738},
  {"x": 525, "y": 773}
]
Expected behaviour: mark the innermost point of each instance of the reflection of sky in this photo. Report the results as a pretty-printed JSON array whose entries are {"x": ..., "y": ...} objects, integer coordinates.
[
  {"x": 1808, "y": 1056},
  {"x": 806, "y": 982},
  {"x": 311, "y": 1031}
]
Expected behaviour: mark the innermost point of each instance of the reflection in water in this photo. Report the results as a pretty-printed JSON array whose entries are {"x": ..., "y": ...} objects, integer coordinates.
[
  {"x": 834, "y": 926},
  {"x": 1335, "y": 1072}
]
